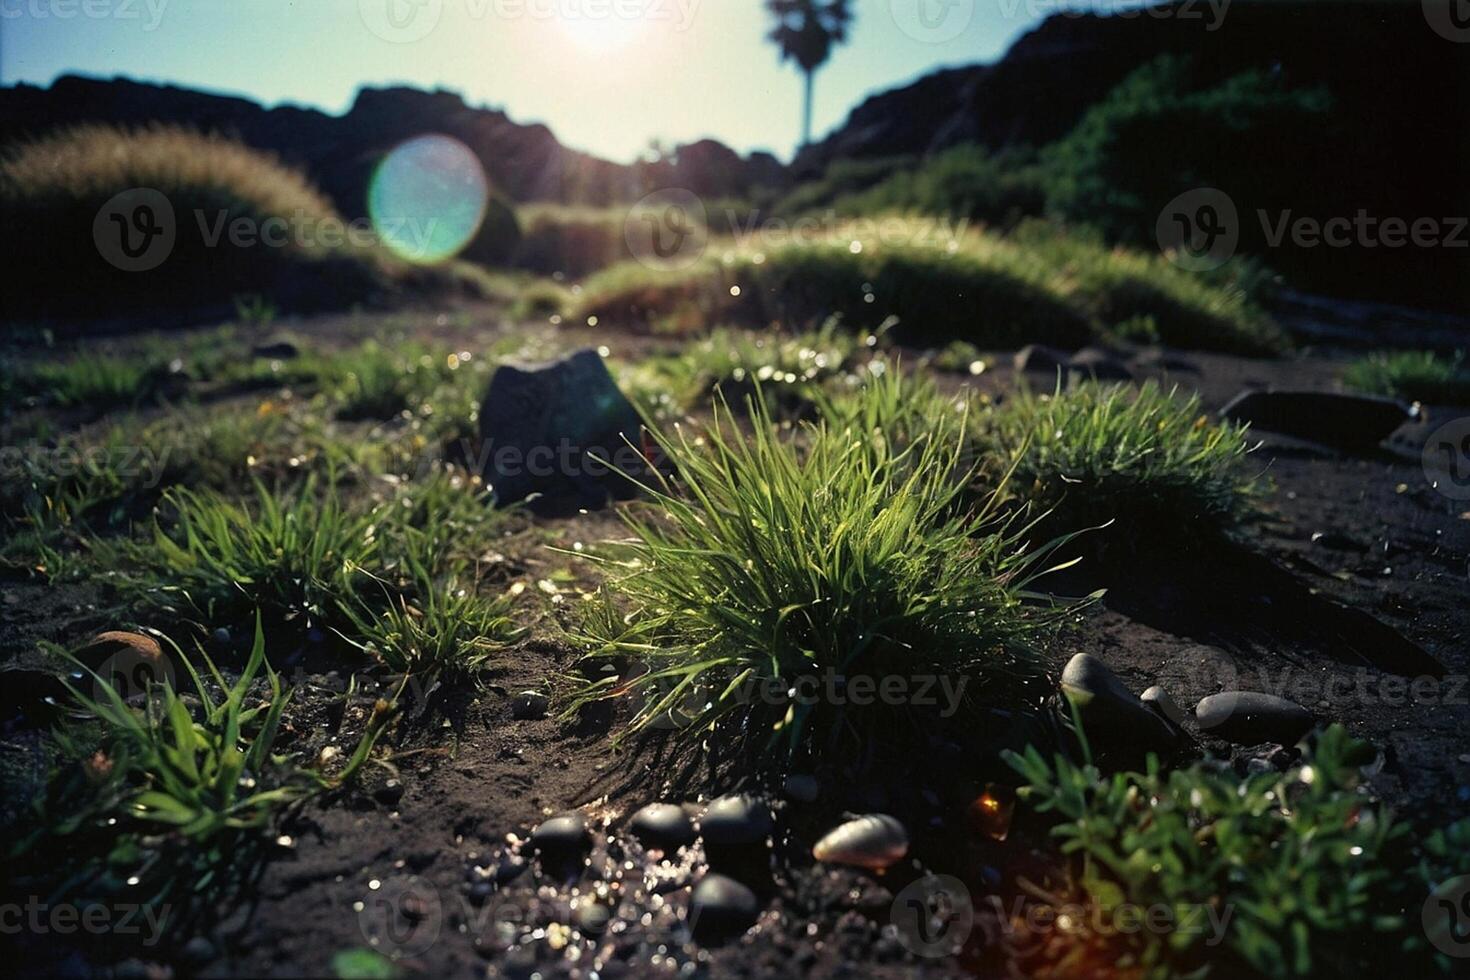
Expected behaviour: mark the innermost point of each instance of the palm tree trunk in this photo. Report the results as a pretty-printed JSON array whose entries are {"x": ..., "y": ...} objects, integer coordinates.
[{"x": 806, "y": 113}]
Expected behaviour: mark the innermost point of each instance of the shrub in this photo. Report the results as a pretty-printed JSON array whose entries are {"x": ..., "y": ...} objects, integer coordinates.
[
  {"x": 1039, "y": 285},
  {"x": 1306, "y": 864},
  {"x": 1414, "y": 375},
  {"x": 571, "y": 241},
  {"x": 964, "y": 182},
  {"x": 1150, "y": 459},
  {"x": 776, "y": 560},
  {"x": 54, "y": 188}
]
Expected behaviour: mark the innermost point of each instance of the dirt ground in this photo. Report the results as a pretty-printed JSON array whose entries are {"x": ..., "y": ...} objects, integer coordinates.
[{"x": 1343, "y": 536}]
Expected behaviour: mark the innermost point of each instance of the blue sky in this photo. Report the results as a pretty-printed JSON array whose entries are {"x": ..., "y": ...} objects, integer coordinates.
[{"x": 608, "y": 76}]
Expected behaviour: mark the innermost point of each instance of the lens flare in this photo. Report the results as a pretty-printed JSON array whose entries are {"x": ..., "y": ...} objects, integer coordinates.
[{"x": 427, "y": 198}]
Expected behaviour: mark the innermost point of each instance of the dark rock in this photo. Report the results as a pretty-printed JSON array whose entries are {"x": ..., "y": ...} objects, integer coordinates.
[
  {"x": 662, "y": 825},
  {"x": 1110, "y": 712},
  {"x": 529, "y": 706},
  {"x": 1354, "y": 423},
  {"x": 561, "y": 836},
  {"x": 37, "y": 696},
  {"x": 1250, "y": 718},
  {"x": 721, "y": 908},
  {"x": 197, "y": 951},
  {"x": 802, "y": 788},
  {"x": 736, "y": 820},
  {"x": 1337, "y": 541},
  {"x": 480, "y": 893},
  {"x": 389, "y": 793},
  {"x": 592, "y": 918},
  {"x": 550, "y": 432},
  {"x": 1098, "y": 365},
  {"x": 1038, "y": 357}
]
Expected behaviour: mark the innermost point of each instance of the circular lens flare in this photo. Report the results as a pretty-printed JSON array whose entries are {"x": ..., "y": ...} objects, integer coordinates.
[{"x": 427, "y": 198}]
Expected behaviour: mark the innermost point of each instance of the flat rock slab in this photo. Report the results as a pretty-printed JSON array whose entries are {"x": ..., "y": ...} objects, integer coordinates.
[
  {"x": 1355, "y": 423},
  {"x": 559, "y": 435}
]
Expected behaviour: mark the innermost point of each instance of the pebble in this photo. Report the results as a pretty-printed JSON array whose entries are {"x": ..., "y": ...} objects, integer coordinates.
[
  {"x": 561, "y": 835},
  {"x": 1159, "y": 700},
  {"x": 1111, "y": 712},
  {"x": 529, "y": 706},
  {"x": 662, "y": 825},
  {"x": 736, "y": 820},
  {"x": 1249, "y": 718},
  {"x": 389, "y": 793},
  {"x": 876, "y": 841},
  {"x": 222, "y": 636},
  {"x": 720, "y": 908}
]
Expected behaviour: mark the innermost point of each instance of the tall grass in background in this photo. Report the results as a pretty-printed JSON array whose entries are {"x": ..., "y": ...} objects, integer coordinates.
[{"x": 54, "y": 187}]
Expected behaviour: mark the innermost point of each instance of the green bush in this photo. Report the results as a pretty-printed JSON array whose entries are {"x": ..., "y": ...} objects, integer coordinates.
[
  {"x": 55, "y": 187},
  {"x": 965, "y": 182},
  {"x": 777, "y": 560},
  {"x": 1152, "y": 460},
  {"x": 1317, "y": 879},
  {"x": 1414, "y": 375}
]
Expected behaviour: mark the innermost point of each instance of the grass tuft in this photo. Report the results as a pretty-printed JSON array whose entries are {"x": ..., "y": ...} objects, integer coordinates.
[
  {"x": 834, "y": 553},
  {"x": 1422, "y": 376}
]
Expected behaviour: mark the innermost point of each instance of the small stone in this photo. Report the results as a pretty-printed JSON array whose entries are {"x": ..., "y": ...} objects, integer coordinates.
[
  {"x": 529, "y": 706},
  {"x": 736, "y": 820},
  {"x": 721, "y": 908},
  {"x": 197, "y": 951},
  {"x": 1355, "y": 423},
  {"x": 115, "y": 643},
  {"x": 1098, "y": 365},
  {"x": 1109, "y": 711},
  {"x": 1040, "y": 358},
  {"x": 389, "y": 793},
  {"x": 662, "y": 825},
  {"x": 1249, "y": 718},
  {"x": 1337, "y": 541},
  {"x": 560, "y": 836},
  {"x": 222, "y": 636},
  {"x": 276, "y": 349},
  {"x": 1159, "y": 700},
  {"x": 802, "y": 788},
  {"x": 592, "y": 918},
  {"x": 480, "y": 893},
  {"x": 876, "y": 841}
]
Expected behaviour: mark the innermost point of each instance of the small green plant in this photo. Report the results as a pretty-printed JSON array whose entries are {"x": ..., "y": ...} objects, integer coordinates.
[
  {"x": 1294, "y": 868},
  {"x": 1414, "y": 375},
  {"x": 118, "y": 381},
  {"x": 255, "y": 309},
  {"x": 959, "y": 357},
  {"x": 299, "y": 554},
  {"x": 774, "y": 560},
  {"x": 1148, "y": 458},
  {"x": 169, "y": 802},
  {"x": 376, "y": 382}
]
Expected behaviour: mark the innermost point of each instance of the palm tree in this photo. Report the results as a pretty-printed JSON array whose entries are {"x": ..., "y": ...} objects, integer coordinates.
[{"x": 806, "y": 32}]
